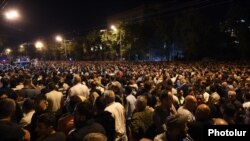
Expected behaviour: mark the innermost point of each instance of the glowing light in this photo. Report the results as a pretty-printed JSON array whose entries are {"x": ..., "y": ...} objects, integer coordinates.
[
  {"x": 39, "y": 45},
  {"x": 8, "y": 50},
  {"x": 12, "y": 14},
  {"x": 59, "y": 38},
  {"x": 113, "y": 27}
]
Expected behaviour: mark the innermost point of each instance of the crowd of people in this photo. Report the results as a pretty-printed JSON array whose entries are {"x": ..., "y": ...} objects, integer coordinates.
[{"x": 120, "y": 101}]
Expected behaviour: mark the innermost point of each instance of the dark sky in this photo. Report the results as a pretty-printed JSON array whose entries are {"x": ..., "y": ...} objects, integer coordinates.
[{"x": 44, "y": 18}]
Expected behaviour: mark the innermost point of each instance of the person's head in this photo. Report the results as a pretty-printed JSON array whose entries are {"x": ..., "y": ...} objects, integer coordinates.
[
  {"x": 128, "y": 90},
  {"x": 73, "y": 101},
  {"x": 116, "y": 87},
  {"x": 179, "y": 93},
  {"x": 109, "y": 96},
  {"x": 100, "y": 103},
  {"x": 200, "y": 99},
  {"x": 7, "y": 108},
  {"x": 27, "y": 82},
  {"x": 202, "y": 113},
  {"x": 166, "y": 99},
  {"x": 3, "y": 95},
  {"x": 247, "y": 117},
  {"x": 176, "y": 127},
  {"x": 190, "y": 103},
  {"x": 214, "y": 98},
  {"x": 77, "y": 79},
  {"x": 228, "y": 110},
  {"x": 45, "y": 124},
  {"x": 41, "y": 102},
  {"x": 28, "y": 105},
  {"x": 141, "y": 103},
  {"x": 95, "y": 137},
  {"x": 183, "y": 81},
  {"x": 51, "y": 86},
  {"x": 232, "y": 95},
  {"x": 247, "y": 96},
  {"x": 219, "y": 121},
  {"x": 5, "y": 81},
  {"x": 82, "y": 113}
]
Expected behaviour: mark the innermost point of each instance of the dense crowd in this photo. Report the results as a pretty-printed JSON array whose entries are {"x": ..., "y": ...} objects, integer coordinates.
[{"x": 120, "y": 101}]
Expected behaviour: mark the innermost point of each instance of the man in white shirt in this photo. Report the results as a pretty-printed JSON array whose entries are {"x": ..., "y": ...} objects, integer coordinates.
[
  {"x": 79, "y": 89},
  {"x": 188, "y": 108},
  {"x": 54, "y": 97},
  {"x": 118, "y": 113}
]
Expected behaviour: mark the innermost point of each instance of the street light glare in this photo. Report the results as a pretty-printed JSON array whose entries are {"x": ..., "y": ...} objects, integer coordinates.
[
  {"x": 39, "y": 45},
  {"x": 113, "y": 27},
  {"x": 59, "y": 38},
  {"x": 8, "y": 50},
  {"x": 21, "y": 46},
  {"x": 12, "y": 14}
]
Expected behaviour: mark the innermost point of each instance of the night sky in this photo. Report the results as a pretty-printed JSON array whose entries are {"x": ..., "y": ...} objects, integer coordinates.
[
  {"x": 42, "y": 19},
  {"x": 45, "y": 18}
]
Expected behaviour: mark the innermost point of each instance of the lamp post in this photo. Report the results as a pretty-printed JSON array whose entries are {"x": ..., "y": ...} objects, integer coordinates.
[
  {"x": 114, "y": 28},
  {"x": 23, "y": 48},
  {"x": 8, "y": 51},
  {"x": 39, "y": 45},
  {"x": 61, "y": 40}
]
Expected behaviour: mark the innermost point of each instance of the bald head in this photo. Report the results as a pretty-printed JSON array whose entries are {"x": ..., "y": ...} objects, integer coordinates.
[
  {"x": 219, "y": 121},
  {"x": 190, "y": 99},
  {"x": 77, "y": 79},
  {"x": 109, "y": 96},
  {"x": 141, "y": 103},
  {"x": 232, "y": 95},
  {"x": 190, "y": 102},
  {"x": 202, "y": 112}
]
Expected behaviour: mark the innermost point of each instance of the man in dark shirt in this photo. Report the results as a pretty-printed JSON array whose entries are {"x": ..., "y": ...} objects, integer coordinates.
[
  {"x": 84, "y": 122},
  {"x": 10, "y": 131},
  {"x": 46, "y": 128}
]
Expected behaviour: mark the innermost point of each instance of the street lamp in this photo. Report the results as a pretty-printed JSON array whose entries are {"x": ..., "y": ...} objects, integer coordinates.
[
  {"x": 61, "y": 40},
  {"x": 23, "y": 48},
  {"x": 39, "y": 45},
  {"x": 12, "y": 14},
  {"x": 115, "y": 29},
  {"x": 8, "y": 51}
]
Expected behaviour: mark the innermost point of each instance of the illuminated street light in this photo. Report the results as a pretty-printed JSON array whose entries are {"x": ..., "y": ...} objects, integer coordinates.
[
  {"x": 21, "y": 46},
  {"x": 12, "y": 14},
  {"x": 8, "y": 51},
  {"x": 118, "y": 31},
  {"x": 39, "y": 45},
  {"x": 59, "y": 38},
  {"x": 113, "y": 27}
]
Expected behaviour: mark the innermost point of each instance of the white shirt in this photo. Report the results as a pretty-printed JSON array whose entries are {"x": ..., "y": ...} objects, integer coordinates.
[
  {"x": 246, "y": 104},
  {"x": 26, "y": 120},
  {"x": 79, "y": 90},
  {"x": 186, "y": 113},
  {"x": 55, "y": 98},
  {"x": 130, "y": 105},
  {"x": 118, "y": 113}
]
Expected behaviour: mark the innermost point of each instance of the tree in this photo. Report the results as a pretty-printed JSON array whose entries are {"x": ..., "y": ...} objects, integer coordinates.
[
  {"x": 193, "y": 34},
  {"x": 236, "y": 26}
]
